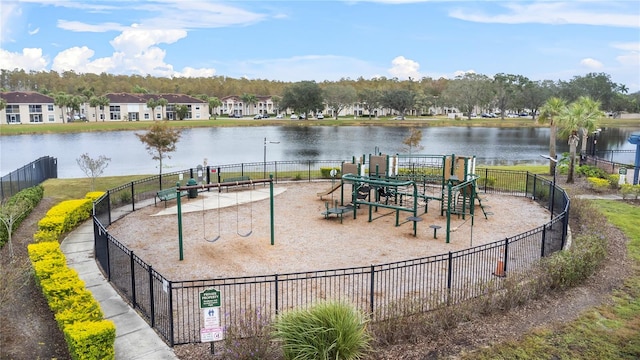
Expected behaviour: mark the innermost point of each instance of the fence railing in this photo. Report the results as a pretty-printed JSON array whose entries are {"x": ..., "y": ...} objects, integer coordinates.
[
  {"x": 27, "y": 176},
  {"x": 382, "y": 290}
]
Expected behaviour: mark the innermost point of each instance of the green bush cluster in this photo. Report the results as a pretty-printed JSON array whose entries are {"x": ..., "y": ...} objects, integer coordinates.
[
  {"x": 331, "y": 330},
  {"x": 488, "y": 182},
  {"x": 590, "y": 171},
  {"x": 77, "y": 313},
  {"x": 64, "y": 217},
  {"x": 26, "y": 199},
  {"x": 598, "y": 184},
  {"x": 630, "y": 191}
]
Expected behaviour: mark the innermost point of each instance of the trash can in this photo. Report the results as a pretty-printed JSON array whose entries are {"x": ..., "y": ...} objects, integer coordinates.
[{"x": 193, "y": 193}]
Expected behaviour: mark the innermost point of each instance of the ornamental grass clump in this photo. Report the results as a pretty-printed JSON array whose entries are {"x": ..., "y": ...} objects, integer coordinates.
[{"x": 331, "y": 330}]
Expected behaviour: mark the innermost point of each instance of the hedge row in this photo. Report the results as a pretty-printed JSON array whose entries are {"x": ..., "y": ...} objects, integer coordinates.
[
  {"x": 65, "y": 216},
  {"x": 23, "y": 203},
  {"x": 77, "y": 313}
]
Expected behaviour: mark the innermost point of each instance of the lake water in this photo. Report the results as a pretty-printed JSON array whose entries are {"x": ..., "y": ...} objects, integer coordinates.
[{"x": 491, "y": 146}]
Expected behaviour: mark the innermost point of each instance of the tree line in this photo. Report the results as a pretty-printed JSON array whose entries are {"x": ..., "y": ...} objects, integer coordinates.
[{"x": 502, "y": 93}]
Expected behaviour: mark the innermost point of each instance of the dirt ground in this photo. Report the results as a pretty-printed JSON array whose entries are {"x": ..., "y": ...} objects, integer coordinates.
[
  {"x": 28, "y": 330},
  {"x": 304, "y": 239}
]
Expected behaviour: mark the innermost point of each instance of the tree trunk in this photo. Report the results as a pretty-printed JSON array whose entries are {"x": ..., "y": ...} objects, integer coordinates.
[
  {"x": 573, "y": 144},
  {"x": 552, "y": 147}
]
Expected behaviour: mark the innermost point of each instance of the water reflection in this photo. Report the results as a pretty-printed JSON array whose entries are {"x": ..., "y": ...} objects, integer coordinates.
[{"x": 492, "y": 146}]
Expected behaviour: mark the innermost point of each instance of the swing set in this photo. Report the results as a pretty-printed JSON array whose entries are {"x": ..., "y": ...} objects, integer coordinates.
[{"x": 219, "y": 186}]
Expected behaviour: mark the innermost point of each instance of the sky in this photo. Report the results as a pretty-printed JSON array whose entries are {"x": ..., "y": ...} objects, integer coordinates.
[{"x": 324, "y": 40}]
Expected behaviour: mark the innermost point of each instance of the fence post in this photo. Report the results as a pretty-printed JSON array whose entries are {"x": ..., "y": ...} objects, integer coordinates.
[
  {"x": 309, "y": 169},
  {"x": 152, "y": 309},
  {"x": 133, "y": 197},
  {"x": 506, "y": 254},
  {"x": 277, "y": 294},
  {"x": 449, "y": 276},
  {"x": 133, "y": 280},
  {"x": 170, "y": 311},
  {"x": 372, "y": 287},
  {"x": 544, "y": 237}
]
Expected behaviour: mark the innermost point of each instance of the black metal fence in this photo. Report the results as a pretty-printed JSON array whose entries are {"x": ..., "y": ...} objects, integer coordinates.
[
  {"x": 28, "y": 176},
  {"x": 384, "y": 290}
]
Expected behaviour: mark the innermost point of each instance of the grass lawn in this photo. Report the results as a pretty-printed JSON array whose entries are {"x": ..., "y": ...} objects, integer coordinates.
[{"x": 606, "y": 332}]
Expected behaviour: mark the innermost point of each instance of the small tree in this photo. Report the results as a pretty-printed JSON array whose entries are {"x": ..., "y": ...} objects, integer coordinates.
[
  {"x": 160, "y": 140},
  {"x": 10, "y": 214},
  {"x": 93, "y": 168},
  {"x": 413, "y": 140}
]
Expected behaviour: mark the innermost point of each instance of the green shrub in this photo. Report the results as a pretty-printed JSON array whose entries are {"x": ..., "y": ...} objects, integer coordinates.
[
  {"x": 488, "y": 182},
  {"x": 331, "y": 330},
  {"x": 90, "y": 340},
  {"x": 630, "y": 191},
  {"x": 27, "y": 200},
  {"x": 598, "y": 184},
  {"x": 592, "y": 171}
]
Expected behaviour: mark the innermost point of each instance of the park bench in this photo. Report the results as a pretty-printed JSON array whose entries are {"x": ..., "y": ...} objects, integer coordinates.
[
  {"x": 240, "y": 180},
  {"x": 167, "y": 194}
]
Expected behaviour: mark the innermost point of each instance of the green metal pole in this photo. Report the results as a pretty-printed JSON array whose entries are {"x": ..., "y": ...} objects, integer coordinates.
[
  {"x": 271, "y": 209},
  {"x": 179, "y": 220}
]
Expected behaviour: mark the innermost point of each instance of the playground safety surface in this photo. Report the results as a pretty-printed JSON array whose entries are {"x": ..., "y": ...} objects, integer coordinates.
[{"x": 304, "y": 239}]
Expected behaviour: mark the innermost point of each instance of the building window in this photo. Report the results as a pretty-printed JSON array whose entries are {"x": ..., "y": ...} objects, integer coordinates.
[
  {"x": 13, "y": 118},
  {"x": 49, "y": 107},
  {"x": 146, "y": 116},
  {"x": 197, "y": 107},
  {"x": 114, "y": 112},
  {"x": 52, "y": 118},
  {"x": 35, "y": 109},
  {"x": 12, "y": 109},
  {"x": 133, "y": 116}
]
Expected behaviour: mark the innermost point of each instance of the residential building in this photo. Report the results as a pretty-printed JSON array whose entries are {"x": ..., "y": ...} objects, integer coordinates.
[
  {"x": 29, "y": 107},
  {"x": 34, "y": 108}
]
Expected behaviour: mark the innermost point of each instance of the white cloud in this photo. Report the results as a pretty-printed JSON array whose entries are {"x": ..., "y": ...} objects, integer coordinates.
[
  {"x": 29, "y": 59},
  {"x": 591, "y": 63},
  {"x": 134, "y": 40},
  {"x": 404, "y": 68},
  {"x": 79, "y": 26},
  {"x": 191, "y": 72},
  {"x": 10, "y": 12},
  {"x": 575, "y": 12},
  {"x": 34, "y": 31},
  {"x": 463, "y": 72}
]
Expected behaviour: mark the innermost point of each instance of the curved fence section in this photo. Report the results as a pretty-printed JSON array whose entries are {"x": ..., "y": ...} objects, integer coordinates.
[
  {"x": 407, "y": 287},
  {"x": 27, "y": 176}
]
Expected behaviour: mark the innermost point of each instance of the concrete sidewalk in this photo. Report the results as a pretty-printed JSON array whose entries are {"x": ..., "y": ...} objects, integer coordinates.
[{"x": 135, "y": 339}]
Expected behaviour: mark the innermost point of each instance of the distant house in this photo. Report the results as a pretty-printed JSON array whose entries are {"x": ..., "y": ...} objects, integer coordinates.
[
  {"x": 133, "y": 107},
  {"x": 233, "y": 106},
  {"x": 29, "y": 107}
]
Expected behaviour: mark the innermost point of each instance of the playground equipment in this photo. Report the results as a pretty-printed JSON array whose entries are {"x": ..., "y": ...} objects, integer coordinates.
[
  {"x": 361, "y": 195},
  {"x": 219, "y": 186},
  {"x": 406, "y": 182},
  {"x": 204, "y": 223},
  {"x": 238, "y": 216}
]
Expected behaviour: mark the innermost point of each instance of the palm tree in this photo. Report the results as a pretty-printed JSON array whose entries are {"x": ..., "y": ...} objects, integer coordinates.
[
  {"x": 103, "y": 102},
  {"x": 214, "y": 102},
  {"x": 589, "y": 122},
  {"x": 94, "y": 102},
  {"x": 581, "y": 115},
  {"x": 163, "y": 103},
  {"x": 152, "y": 104},
  {"x": 249, "y": 99},
  {"x": 61, "y": 100},
  {"x": 549, "y": 112}
]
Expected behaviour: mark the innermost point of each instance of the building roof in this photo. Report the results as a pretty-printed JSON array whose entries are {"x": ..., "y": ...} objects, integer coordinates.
[
  {"x": 25, "y": 97},
  {"x": 125, "y": 98}
]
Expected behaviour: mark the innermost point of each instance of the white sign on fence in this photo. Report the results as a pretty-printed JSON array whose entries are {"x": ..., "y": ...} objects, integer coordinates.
[{"x": 211, "y": 334}]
